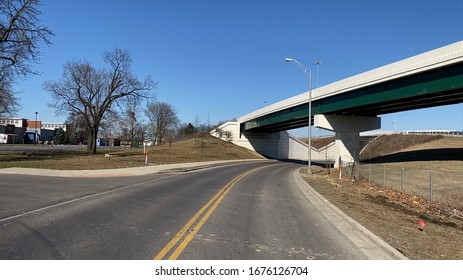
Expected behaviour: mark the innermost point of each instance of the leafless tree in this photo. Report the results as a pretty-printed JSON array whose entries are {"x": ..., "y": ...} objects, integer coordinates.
[
  {"x": 228, "y": 136},
  {"x": 129, "y": 123},
  {"x": 218, "y": 132},
  {"x": 109, "y": 124},
  {"x": 185, "y": 131},
  {"x": 20, "y": 38},
  {"x": 8, "y": 100},
  {"x": 131, "y": 129},
  {"x": 162, "y": 117},
  {"x": 92, "y": 92},
  {"x": 79, "y": 128}
]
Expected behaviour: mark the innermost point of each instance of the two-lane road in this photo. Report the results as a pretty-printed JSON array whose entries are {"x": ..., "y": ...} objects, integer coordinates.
[{"x": 216, "y": 213}]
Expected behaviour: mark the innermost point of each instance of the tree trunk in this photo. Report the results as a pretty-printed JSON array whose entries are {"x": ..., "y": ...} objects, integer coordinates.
[
  {"x": 89, "y": 142},
  {"x": 94, "y": 138}
]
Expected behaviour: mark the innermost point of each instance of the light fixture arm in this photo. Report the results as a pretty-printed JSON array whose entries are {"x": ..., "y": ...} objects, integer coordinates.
[{"x": 307, "y": 71}]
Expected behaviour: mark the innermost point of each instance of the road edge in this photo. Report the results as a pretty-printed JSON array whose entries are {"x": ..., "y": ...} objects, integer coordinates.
[
  {"x": 124, "y": 172},
  {"x": 371, "y": 245}
]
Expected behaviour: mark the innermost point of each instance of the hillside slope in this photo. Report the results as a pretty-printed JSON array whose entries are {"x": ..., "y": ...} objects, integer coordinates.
[
  {"x": 389, "y": 144},
  {"x": 445, "y": 154}
]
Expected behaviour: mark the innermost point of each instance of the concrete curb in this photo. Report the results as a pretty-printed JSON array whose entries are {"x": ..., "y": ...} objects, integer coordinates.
[
  {"x": 371, "y": 245},
  {"x": 123, "y": 172}
]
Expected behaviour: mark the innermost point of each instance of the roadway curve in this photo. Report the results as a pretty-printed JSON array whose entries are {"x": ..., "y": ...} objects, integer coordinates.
[{"x": 263, "y": 215}]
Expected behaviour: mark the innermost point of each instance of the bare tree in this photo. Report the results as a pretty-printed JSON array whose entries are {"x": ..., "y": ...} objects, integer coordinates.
[
  {"x": 218, "y": 132},
  {"x": 162, "y": 117},
  {"x": 109, "y": 124},
  {"x": 20, "y": 38},
  {"x": 186, "y": 131},
  {"x": 92, "y": 93},
  {"x": 8, "y": 100},
  {"x": 228, "y": 136},
  {"x": 79, "y": 128},
  {"x": 141, "y": 134},
  {"x": 131, "y": 129},
  {"x": 129, "y": 123},
  {"x": 202, "y": 130}
]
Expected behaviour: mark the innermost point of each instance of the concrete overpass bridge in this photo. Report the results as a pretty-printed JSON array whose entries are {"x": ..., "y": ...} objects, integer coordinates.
[{"x": 352, "y": 105}]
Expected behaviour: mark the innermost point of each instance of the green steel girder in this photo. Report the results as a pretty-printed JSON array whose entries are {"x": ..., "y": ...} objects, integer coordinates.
[{"x": 437, "y": 87}]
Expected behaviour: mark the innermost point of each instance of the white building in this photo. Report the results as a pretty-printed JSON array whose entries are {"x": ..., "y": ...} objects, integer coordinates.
[
  {"x": 53, "y": 126},
  {"x": 17, "y": 122}
]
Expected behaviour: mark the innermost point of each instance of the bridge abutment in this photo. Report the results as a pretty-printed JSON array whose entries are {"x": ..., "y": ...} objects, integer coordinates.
[{"x": 278, "y": 145}]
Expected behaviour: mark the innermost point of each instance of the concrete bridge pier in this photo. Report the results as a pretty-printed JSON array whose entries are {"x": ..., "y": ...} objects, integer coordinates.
[{"x": 347, "y": 129}]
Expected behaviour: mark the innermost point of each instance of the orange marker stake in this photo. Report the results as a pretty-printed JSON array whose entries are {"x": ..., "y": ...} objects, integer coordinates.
[{"x": 421, "y": 224}]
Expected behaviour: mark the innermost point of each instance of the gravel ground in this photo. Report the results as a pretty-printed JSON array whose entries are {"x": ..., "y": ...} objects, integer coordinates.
[{"x": 395, "y": 216}]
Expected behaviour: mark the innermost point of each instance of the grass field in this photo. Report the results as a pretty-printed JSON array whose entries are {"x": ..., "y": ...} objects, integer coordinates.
[
  {"x": 193, "y": 150},
  {"x": 388, "y": 144},
  {"x": 402, "y": 169},
  {"x": 432, "y": 169}
]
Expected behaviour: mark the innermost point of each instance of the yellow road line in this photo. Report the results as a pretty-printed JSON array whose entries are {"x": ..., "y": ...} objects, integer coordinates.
[
  {"x": 179, "y": 235},
  {"x": 215, "y": 201}
]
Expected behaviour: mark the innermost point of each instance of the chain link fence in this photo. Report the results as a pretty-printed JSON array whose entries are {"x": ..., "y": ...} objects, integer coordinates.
[{"x": 435, "y": 185}]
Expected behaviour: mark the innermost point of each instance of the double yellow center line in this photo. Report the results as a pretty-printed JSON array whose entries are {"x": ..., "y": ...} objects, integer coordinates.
[{"x": 197, "y": 221}]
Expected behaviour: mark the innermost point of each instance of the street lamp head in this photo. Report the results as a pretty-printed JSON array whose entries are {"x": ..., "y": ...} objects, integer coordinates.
[{"x": 289, "y": 59}]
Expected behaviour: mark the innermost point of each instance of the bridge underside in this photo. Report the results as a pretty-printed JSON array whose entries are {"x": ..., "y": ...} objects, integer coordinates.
[{"x": 439, "y": 87}]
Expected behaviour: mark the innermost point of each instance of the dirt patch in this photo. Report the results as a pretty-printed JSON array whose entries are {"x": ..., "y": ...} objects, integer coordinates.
[{"x": 394, "y": 216}]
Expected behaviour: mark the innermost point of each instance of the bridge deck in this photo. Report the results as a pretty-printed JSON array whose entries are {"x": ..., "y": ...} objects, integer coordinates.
[{"x": 427, "y": 80}]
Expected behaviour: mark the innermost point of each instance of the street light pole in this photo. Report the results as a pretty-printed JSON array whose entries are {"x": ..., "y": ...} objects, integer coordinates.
[
  {"x": 35, "y": 136},
  {"x": 308, "y": 72},
  {"x": 317, "y": 63}
]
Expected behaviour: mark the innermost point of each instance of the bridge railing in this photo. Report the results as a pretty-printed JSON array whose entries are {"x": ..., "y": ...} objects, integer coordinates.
[{"x": 442, "y": 186}]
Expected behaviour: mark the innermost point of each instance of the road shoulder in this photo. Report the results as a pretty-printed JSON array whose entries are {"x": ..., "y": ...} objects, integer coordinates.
[
  {"x": 123, "y": 172},
  {"x": 371, "y": 245}
]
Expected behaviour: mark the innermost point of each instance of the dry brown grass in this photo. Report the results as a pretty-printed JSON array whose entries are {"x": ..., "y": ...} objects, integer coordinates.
[
  {"x": 393, "y": 216},
  {"x": 207, "y": 149},
  {"x": 321, "y": 142},
  {"x": 413, "y": 169},
  {"x": 387, "y": 144},
  {"x": 196, "y": 150}
]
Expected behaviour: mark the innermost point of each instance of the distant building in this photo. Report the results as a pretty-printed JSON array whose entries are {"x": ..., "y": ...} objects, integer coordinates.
[
  {"x": 53, "y": 126},
  {"x": 10, "y": 134},
  {"x": 419, "y": 132},
  {"x": 17, "y": 122},
  {"x": 20, "y": 130},
  {"x": 435, "y": 132}
]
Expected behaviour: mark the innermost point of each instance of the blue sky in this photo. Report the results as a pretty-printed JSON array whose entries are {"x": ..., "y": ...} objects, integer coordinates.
[{"x": 220, "y": 60}]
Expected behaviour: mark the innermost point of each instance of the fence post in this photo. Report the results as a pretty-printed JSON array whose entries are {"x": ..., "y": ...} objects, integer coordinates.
[
  {"x": 430, "y": 185},
  {"x": 369, "y": 173},
  {"x": 402, "y": 179},
  {"x": 340, "y": 168},
  {"x": 384, "y": 176}
]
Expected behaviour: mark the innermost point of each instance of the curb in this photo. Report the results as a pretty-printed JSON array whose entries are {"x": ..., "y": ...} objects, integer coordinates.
[
  {"x": 371, "y": 245},
  {"x": 124, "y": 172}
]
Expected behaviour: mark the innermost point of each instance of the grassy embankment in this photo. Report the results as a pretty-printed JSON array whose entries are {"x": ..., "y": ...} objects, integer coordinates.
[
  {"x": 193, "y": 150},
  {"x": 393, "y": 214}
]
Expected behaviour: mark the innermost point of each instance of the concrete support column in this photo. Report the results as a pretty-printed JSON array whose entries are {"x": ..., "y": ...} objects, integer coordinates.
[
  {"x": 347, "y": 129},
  {"x": 347, "y": 146}
]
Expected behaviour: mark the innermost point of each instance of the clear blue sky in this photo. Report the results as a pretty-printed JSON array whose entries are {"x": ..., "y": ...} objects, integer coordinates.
[{"x": 223, "y": 59}]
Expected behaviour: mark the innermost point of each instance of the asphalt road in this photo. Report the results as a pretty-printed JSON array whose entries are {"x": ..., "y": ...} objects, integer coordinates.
[{"x": 216, "y": 213}]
